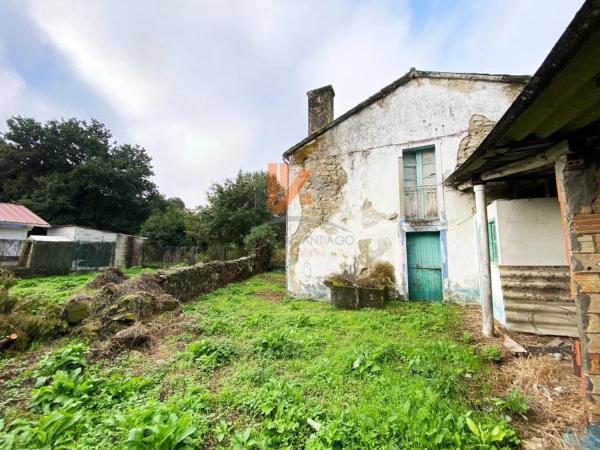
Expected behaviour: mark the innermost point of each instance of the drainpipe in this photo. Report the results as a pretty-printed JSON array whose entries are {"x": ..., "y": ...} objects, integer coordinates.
[{"x": 483, "y": 249}]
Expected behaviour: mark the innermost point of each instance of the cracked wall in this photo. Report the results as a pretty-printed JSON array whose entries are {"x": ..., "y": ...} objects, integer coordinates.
[
  {"x": 479, "y": 128},
  {"x": 348, "y": 215}
]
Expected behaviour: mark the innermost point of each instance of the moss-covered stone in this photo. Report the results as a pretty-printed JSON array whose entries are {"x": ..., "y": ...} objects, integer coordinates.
[
  {"x": 167, "y": 302},
  {"x": 142, "y": 304},
  {"x": 76, "y": 310},
  {"x": 89, "y": 330},
  {"x": 127, "y": 317},
  {"x": 30, "y": 328}
]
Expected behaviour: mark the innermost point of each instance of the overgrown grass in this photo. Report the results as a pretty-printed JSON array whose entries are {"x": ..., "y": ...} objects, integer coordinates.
[
  {"x": 249, "y": 373},
  {"x": 40, "y": 292}
]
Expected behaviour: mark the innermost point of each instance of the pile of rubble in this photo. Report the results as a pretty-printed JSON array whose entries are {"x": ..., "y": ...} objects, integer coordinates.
[{"x": 118, "y": 312}]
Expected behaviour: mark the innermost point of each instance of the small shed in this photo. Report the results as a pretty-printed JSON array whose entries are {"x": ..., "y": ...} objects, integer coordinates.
[
  {"x": 82, "y": 234},
  {"x": 15, "y": 222}
]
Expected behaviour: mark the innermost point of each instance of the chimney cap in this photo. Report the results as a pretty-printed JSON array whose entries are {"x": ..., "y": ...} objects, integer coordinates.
[{"x": 320, "y": 90}]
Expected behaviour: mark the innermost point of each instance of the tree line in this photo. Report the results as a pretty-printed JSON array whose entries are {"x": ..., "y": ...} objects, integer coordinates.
[{"x": 73, "y": 172}]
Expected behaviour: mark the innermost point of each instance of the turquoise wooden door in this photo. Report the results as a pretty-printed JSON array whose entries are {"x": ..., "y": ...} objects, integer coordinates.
[{"x": 424, "y": 266}]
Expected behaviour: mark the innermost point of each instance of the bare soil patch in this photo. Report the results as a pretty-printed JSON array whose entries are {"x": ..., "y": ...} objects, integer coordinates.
[{"x": 271, "y": 296}]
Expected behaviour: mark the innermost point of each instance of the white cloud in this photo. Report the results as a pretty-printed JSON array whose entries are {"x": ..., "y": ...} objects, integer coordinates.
[{"x": 212, "y": 87}]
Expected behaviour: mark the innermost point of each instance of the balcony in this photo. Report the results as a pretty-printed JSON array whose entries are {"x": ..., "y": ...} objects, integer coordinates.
[{"x": 420, "y": 203}]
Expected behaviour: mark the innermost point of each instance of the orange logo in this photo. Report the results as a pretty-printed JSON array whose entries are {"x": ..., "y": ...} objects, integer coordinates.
[{"x": 280, "y": 192}]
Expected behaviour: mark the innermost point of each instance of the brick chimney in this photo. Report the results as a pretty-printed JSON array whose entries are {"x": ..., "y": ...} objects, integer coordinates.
[{"x": 320, "y": 108}]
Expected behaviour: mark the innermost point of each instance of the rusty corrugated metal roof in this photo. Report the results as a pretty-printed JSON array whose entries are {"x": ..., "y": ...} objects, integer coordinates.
[{"x": 19, "y": 214}]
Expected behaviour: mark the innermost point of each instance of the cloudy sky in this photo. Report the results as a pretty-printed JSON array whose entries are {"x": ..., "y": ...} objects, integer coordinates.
[{"x": 212, "y": 87}]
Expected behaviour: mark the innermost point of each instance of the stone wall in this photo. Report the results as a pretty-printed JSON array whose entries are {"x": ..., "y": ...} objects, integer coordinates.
[
  {"x": 188, "y": 282},
  {"x": 578, "y": 182}
]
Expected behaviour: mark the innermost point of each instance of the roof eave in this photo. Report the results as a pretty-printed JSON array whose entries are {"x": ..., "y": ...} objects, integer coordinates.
[
  {"x": 582, "y": 25},
  {"x": 408, "y": 76}
]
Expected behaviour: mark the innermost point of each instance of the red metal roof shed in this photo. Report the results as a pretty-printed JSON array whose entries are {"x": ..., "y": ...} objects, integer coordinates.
[{"x": 20, "y": 215}]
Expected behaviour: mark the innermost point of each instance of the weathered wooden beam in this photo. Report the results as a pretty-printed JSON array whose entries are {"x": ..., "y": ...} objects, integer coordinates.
[
  {"x": 538, "y": 161},
  {"x": 582, "y": 67}
]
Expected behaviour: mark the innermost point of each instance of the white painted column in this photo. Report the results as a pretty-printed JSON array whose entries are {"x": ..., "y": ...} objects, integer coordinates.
[{"x": 483, "y": 249}]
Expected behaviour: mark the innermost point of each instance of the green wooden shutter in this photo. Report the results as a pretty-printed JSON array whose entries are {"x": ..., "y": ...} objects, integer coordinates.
[{"x": 493, "y": 241}]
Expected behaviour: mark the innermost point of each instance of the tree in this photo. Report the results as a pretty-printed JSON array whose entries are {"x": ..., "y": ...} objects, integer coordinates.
[
  {"x": 234, "y": 207},
  {"x": 69, "y": 172},
  {"x": 167, "y": 227}
]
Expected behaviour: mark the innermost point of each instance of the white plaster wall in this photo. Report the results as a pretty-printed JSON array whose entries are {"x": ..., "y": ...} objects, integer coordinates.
[
  {"x": 66, "y": 232},
  {"x": 529, "y": 232},
  {"x": 83, "y": 234},
  {"x": 13, "y": 233},
  {"x": 368, "y": 145}
]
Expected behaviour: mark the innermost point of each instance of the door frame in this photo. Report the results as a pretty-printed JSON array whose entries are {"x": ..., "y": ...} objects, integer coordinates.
[
  {"x": 442, "y": 262},
  {"x": 440, "y": 225},
  {"x": 406, "y": 228}
]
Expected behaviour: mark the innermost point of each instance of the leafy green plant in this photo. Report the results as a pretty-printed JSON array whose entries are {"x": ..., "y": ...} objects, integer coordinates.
[
  {"x": 156, "y": 427},
  {"x": 513, "y": 403},
  {"x": 467, "y": 337},
  {"x": 68, "y": 359},
  {"x": 284, "y": 407},
  {"x": 248, "y": 439},
  {"x": 70, "y": 389},
  {"x": 492, "y": 436},
  {"x": 370, "y": 361},
  {"x": 279, "y": 344},
  {"x": 491, "y": 353},
  {"x": 207, "y": 354},
  {"x": 51, "y": 431}
]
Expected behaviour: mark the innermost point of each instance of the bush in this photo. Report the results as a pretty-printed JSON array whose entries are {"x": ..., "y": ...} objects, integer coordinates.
[
  {"x": 261, "y": 240},
  {"x": 381, "y": 275},
  {"x": 7, "y": 279}
]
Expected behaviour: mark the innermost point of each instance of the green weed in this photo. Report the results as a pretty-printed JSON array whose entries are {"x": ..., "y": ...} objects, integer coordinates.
[
  {"x": 207, "y": 354},
  {"x": 279, "y": 344},
  {"x": 300, "y": 374},
  {"x": 514, "y": 403},
  {"x": 491, "y": 353}
]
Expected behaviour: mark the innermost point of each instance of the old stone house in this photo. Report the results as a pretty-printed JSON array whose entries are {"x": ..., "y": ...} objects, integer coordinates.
[{"x": 371, "y": 184}]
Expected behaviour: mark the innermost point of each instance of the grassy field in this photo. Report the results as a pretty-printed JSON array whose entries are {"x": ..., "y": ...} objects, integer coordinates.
[
  {"x": 245, "y": 367},
  {"x": 54, "y": 290}
]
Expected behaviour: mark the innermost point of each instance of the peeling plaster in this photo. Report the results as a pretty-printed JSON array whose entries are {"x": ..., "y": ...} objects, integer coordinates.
[
  {"x": 350, "y": 216},
  {"x": 479, "y": 128}
]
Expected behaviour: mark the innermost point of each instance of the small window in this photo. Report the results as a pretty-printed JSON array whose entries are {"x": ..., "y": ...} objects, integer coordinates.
[{"x": 492, "y": 239}]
